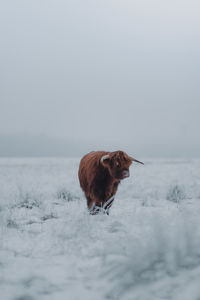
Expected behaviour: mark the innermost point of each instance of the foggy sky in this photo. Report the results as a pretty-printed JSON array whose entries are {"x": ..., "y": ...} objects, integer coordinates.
[{"x": 114, "y": 74}]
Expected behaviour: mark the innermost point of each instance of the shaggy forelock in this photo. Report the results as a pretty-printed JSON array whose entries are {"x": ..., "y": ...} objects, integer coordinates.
[{"x": 120, "y": 155}]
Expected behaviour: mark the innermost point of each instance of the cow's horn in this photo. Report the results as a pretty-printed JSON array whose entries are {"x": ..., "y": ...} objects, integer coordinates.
[
  {"x": 133, "y": 159},
  {"x": 105, "y": 157}
]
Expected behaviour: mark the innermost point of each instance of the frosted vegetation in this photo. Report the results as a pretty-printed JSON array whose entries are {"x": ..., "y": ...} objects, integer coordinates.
[{"x": 147, "y": 249}]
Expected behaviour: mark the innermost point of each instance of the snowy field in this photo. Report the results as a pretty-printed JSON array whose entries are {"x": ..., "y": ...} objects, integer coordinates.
[{"x": 147, "y": 249}]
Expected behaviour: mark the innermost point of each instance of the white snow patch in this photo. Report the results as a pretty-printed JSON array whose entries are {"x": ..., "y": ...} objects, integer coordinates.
[{"x": 51, "y": 248}]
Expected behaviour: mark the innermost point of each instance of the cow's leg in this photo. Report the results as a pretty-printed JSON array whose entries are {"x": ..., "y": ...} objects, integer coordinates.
[
  {"x": 108, "y": 206},
  {"x": 95, "y": 209},
  {"x": 91, "y": 206},
  {"x": 89, "y": 202},
  {"x": 95, "y": 206}
]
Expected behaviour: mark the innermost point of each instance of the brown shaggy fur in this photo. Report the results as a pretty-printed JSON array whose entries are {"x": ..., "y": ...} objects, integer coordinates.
[{"x": 99, "y": 180}]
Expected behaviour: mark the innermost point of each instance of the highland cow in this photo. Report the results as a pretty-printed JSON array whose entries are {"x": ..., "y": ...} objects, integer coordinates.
[{"x": 100, "y": 174}]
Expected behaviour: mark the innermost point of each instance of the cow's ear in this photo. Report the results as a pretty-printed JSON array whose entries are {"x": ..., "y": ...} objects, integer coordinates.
[{"x": 105, "y": 160}]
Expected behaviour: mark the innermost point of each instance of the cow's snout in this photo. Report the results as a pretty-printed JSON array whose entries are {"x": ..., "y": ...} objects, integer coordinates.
[{"x": 125, "y": 173}]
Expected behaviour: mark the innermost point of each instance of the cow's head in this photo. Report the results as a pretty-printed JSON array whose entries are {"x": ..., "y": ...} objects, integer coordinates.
[{"x": 118, "y": 164}]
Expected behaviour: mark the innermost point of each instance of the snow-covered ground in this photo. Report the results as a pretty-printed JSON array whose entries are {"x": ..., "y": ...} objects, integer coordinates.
[{"x": 147, "y": 249}]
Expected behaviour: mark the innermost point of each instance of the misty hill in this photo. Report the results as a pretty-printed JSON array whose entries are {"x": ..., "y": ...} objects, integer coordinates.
[
  {"x": 38, "y": 145},
  {"x": 20, "y": 145}
]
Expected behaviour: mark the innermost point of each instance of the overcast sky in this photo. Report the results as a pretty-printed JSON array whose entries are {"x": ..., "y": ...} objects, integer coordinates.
[{"x": 114, "y": 74}]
